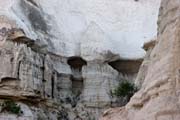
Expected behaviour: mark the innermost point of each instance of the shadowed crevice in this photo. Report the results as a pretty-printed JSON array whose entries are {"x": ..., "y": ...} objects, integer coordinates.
[{"x": 126, "y": 66}]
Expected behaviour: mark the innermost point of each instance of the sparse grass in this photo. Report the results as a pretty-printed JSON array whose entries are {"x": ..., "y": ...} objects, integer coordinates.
[
  {"x": 125, "y": 89},
  {"x": 11, "y": 107}
]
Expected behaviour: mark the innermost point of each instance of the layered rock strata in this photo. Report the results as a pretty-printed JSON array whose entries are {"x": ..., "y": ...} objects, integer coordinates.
[
  {"x": 61, "y": 59},
  {"x": 72, "y": 87}
]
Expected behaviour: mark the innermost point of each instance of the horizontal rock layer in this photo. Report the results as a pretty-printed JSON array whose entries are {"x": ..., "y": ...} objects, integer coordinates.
[{"x": 30, "y": 73}]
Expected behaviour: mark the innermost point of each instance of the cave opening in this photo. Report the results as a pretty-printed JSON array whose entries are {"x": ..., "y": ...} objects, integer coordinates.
[
  {"x": 76, "y": 64},
  {"x": 77, "y": 87},
  {"x": 126, "y": 66},
  {"x": 128, "y": 70}
]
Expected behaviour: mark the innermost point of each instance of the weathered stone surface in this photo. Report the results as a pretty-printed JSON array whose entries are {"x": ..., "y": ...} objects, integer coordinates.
[
  {"x": 123, "y": 29},
  {"x": 22, "y": 66},
  {"x": 145, "y": 64},
  {"x": 99, "y": 79},
  {"x": 58, "y": 52},
  {"x": 158, "y": 98}
]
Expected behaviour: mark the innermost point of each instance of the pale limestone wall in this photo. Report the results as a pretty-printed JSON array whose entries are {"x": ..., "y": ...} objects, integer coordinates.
[
  {"x": 68, "y": 26},
  {"x": 35, "y": 67}
]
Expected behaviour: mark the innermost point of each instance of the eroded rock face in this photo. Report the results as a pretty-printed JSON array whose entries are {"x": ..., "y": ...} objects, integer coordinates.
[
  {"x": 158, "y": 98},
  {"x": 71, "y": 87},
  {"x": 67, "y": 27},
  {"x": 145, "y": 64},
  {"x": 99, "y": 80},
  {"x": 60, "y": 61}
]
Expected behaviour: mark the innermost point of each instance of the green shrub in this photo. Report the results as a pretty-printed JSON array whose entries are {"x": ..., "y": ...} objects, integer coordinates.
[
  {"x": 11, "y": 106},
  {"x": 125, "y": 89}
]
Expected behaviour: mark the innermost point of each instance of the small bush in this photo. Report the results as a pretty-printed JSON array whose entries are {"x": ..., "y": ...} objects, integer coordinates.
[
  {"x": 11, "y": 106},
  {"x": 125, "y": 89}
]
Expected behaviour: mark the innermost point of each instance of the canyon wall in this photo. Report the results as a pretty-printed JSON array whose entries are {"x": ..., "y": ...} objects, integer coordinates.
[
  {"x": 60, "y": 59},
  {"x": 67, "y": 26},
  {"x": 158, "y": 98}
]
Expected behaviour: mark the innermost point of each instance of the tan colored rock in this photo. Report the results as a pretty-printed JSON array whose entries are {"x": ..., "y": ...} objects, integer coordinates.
[
  {"x": 158, "y": 98},
  {"x": 149, "y": 45},
  {"x": 145, "y": 64}
]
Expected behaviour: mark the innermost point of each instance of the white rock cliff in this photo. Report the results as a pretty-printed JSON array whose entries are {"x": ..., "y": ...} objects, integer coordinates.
[{"x": 60, "y": 59}]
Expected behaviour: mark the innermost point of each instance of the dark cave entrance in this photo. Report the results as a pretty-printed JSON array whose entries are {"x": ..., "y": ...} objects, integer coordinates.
[
  {"x": 126, "y": 66},
  {"x": 76, "y": 64}
]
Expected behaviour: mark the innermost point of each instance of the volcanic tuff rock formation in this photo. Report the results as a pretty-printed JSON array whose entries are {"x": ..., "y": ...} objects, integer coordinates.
[
  {"x": 158, "y": 98},
  {"x": 30, "y": 75},
  {"x": 60, "y": 60}
]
